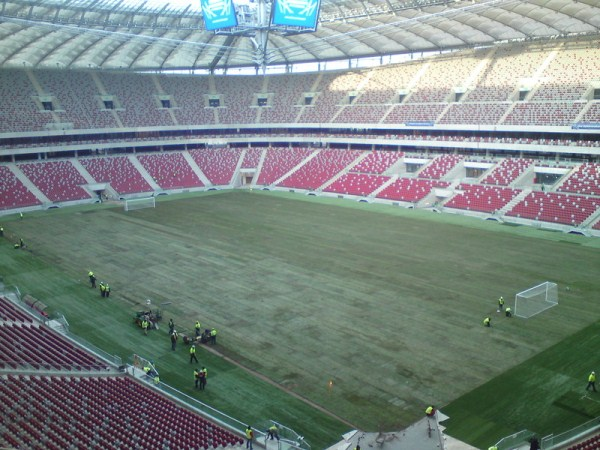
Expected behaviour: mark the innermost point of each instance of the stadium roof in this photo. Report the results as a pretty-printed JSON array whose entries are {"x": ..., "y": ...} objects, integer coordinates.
[{"x": 152, "y": 35}]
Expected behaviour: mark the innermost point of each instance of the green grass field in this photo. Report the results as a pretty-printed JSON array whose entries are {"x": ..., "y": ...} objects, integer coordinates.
[{"x": 384, "y": 302}]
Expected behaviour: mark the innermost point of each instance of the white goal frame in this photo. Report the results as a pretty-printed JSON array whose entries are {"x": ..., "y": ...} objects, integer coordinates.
[
  {"x": 534, "y": 300},
  {"x": 132, "y": 204}
]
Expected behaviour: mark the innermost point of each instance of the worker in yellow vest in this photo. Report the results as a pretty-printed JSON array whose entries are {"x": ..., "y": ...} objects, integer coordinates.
[
  {"x": 213, "y": 336},
  {"x": 193, "y": 354}
]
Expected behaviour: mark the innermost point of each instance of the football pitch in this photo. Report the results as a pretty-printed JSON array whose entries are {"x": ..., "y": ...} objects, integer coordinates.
[{"x": 332, "y": 314}]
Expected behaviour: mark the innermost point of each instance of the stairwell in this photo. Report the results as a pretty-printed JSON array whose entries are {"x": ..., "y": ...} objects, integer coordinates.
[
  {"x": 518, "y": 198},
  {"x": 342, "y": 172},
  {"x": 296, "y": 167}
]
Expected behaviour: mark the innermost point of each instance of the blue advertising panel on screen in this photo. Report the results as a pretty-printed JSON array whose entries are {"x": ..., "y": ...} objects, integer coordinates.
[
  {"x": 299, "y": 13},
  {"x": 218, "y": 14}
]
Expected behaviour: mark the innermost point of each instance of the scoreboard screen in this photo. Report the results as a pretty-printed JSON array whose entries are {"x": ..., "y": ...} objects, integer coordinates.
[
  {"x": 218, "y": 14},
  {"x": 299, "y": 13}
]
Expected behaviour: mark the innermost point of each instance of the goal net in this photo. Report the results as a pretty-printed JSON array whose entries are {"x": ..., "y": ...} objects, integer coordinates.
[
  {"x": 139, "y": 203},
  {"x": 536, "y": 299}
]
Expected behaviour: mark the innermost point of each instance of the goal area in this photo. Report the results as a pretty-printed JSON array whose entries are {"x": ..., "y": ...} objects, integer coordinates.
[
  {"x": 140, "y": 203},
  {"x": 536, "y": 299}
]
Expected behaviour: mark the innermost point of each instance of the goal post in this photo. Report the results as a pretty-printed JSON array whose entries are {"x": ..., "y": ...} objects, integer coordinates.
[
  {"x": 536, "y": 299},
  {"x": 132, "y": 204}
]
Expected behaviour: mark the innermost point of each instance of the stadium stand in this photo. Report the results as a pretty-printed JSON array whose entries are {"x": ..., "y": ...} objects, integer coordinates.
[
  {"x": 585, "y": 180},
  {"x": 99, "y": 412},
  {"x": 252, "y": 158},
  {"x": 288, "y": 97},
  {"x": 488, "y": 199},
  {"x": 280, "y": 161},
  {"x": 189, "y": 105},
  {"x": 314, "y": 173},
  {"x": 137, "y": 99},
  {"x": 17, "y": 94},
  {"x": 440, "y": 166},
  {"x": 407, "y": 113},
  {"x": 79, "y": 101},
  {"x": 118, "y": 171},
  {"x": 58, "y": 180},
  {"x": 410, "y": 189},
  {"x": 240, "y": 105},
  {"x": 357, "y": 184},
  {"x": 170, "y": 170},
  {"x": 544, "y": 113},
  {"x": 377, "y": 162},
  {"x": 556, "y": 208},
  {"x": 507, "y": 171},
  {"x": 13, "y": 193},
  {"x": 218, "y": 164}
]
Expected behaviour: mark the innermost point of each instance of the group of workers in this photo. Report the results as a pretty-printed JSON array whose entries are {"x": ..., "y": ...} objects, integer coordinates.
[
  {"x": 104, "y": 287},
  {"x": 487, "y": 321},
  {"x": 272, "y": 433}
]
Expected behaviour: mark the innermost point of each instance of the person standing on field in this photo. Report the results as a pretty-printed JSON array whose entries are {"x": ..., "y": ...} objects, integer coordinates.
[
  {"x": 591, "y": 382},
  {"x": 500, "y": 303},
  {"x": 174, "y": 337},
  {"x": 193, "y": 354},
  {"x": 92, "y": 278}
]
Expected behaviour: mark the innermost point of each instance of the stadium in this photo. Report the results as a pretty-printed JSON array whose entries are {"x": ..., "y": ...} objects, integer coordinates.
[{"x": 341, "y": 190}]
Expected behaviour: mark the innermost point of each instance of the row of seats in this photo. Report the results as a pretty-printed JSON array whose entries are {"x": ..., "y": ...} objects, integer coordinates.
[
  {"x": 99, "y": 412},
  {"x": 310, "y": 169},
  {"x": 494, "y": 77}
]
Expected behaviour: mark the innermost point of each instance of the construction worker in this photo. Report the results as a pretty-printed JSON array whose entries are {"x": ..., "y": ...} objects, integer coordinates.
[
  {"x": 106, "y": 290},
  {"x": 591, "y": 382},
  {"x": 196, "y": 377},
  {"x": 203, "y": 375},
  {"x": 145, "y": 325},
  {"x": 193, "y": 354},
  {"x": 174, "y": 337},
  {"x": 508, "y": 312},
  {"x": 171, "y": 326},
  {"x": 273, "y": 434},
  {"x": 92, "y": 278},
  {"x": 430, "y": 411},
  {"x": 500, "y": 303},
  {"x": 213, "y": 336},
  {"x": 198, "y": 328},
  {"x": 249, "y": 437},
  {"x": 487, "y": 322},
  {"x": 102, "y": 289},
  {"x": 1, "y": 231},
  {"x": 21, "y": 243}
]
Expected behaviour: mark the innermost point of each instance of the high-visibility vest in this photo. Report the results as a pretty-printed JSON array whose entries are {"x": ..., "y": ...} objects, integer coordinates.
[{"x": 192, "y": 350}]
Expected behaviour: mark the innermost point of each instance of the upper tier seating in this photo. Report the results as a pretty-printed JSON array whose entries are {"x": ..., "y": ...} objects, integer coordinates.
[
  {"x": 238, "y": 103},
  {"x": 489, "y": 199},
  {"x": 319, "y": 169},
  {"x": 218, "y": 164},
  {"x": 119, "y": 172},
  {"x": 18, "y": 110},
  {"x": 334, "y": 91},
  {"x": 567, "y": 75},
  {"x": 13, "y": 193},
  {"x": 410, "y": 189},
  {"x": 546, "y": 113},
  {"x": 138, "y": 95},
  {"x": 556, "y": 208},
  {"x": 58, "y": 180},
  {"x": 592, "y": 114},
  {"x": 586, "y": 180},
  {"x": 287, "y": 97},
  {"x": 478, "y": 113},
  {"x": 377, "y": 162},
  {"x": 440, "y": 166},
  {"x": 361, "y": 113},
  {"x": 59, "y": 412},
  {"x": 170, "y": 170},
  {"x": 252, "y": 158},
  {"x": 507, "y": 171},
  {"x": 279, "y": 161},
  {"x": 406, "y": 113},
  {"x": 78, "y": 99},
  {"x": 189, "y": 105},
  {"x": 357, "y": 184}
]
